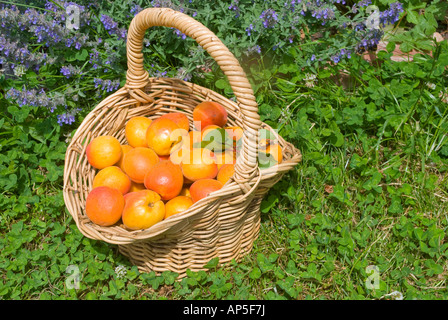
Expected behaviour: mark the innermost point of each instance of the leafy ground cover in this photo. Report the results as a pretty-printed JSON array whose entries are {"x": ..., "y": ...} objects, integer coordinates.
[{"x": 364, "y": 216}]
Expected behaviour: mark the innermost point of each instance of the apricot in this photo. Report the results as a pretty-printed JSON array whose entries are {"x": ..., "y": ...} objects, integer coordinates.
[
  {"x": 269, "y": 153},
  {"x": 178, "y": 118},
  {"x": 208, "y": 129},
  {"x": 207, "y": 113},
  {"x": 136, "y": 186},
  {"x": 235, "y": 132},
  {"x": 103, "y": 151},
  {"x": 138, "y": 161},
  {"x": 112, "y": 177},
  {"x": 135, "y": 131},
  {"x": 216, "y": 138},
  {"x": 177, "y": 205},
  {"x": 104, "y": 206},
  {"x": 194, "y": 137},
  {"x": 225, "y": 173},
  {"x": 199, "y": 163},
  {"x": 202, "y": 188},
  {"x": 165, "y": 178},
  {"x": 226, "y": 157},
  {"x": 124, "y": 149},
  {"x": 162, "y": 135},
  {"x": 179, "y": 149},
  {"x": 185, "y": 191},
  {"x": 142, "y": 209}
]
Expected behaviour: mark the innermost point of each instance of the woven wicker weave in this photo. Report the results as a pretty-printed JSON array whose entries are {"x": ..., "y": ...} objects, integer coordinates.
[{"x": 226, "y": 223}]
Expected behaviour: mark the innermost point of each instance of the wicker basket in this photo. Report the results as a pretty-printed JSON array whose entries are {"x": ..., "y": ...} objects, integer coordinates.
[{"x": 226, "y": 223}]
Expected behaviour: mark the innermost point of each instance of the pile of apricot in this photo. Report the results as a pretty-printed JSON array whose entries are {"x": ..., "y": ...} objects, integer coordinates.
[{"x": 165, "y": 166}]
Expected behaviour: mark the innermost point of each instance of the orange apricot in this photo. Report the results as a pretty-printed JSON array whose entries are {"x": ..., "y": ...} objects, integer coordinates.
[
  {"x": 185, "y": 191},
  {"x": 135, "y": 131},
  {"x": 199, "y": 163},
  {"x": 136, "y": 186},
  {"x": 207, "y": 113},
  {"x": 177, "y": 205},
  {"x": 270, "y": 152},
  {"x": 226, "y": 157},
  {"x": 142, "y": 209},
  {"x": 112, "y": 177},
  {"x": 234, "y": 132},
  {"x": 165, "y": 178},
  {"x": 225, "y": 173},
  {"x": 202, "y": 188},
  {"x": 162, "y": 135},
  {"x": 179, "y": 118},
  {"x": 138, "y": 161},
  {"x": 124, "y": 149},
  {"x": 104, "y": 206},
  {"x": 103, "y": 151}
]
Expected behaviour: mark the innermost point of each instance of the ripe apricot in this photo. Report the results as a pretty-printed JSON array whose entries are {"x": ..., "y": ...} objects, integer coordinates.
[
  {"x": 270, "y": 152},
  {"x": 194, "y": 137},
  {"x": 199, "y": 163},
  {"x": 104, "y": 206},
  {"x": 179, "y": 149},
  {"x": 235, "y": 132},
  {"x": 226, "y": 157},
  {"x": 142, "y": 209},
  {"x": 177, "y": 205},
  {"x": 112, "y": 177},
  {"x": 103, "y": 151},
  {"x": 207, "y": 113},
  {"x": 138, "y": 161},
  {"x": 165, "y": 178},
  {"x": 124, "y": 149},
  {"x": 162, "y": 135},
  {"x": 178, "y": 118},
  {"x": 136, "y": 186},
  {"x": 135, "y": 131},
  {"x": 225, "y": 173},
  {"x": 208, "y": 129},
  {"x": 202, "y": 188},
  {"x": 185, "y": 191}
]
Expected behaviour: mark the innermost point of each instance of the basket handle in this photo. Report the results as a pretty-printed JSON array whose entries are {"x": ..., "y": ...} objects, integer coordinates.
[{"x": 137, "y": 77}]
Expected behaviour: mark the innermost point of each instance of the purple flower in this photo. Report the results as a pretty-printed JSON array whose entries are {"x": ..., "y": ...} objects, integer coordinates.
[
  {"x": 269, "y": 18},
  {"x": 323, "y": 14},
  {"x": 136, "y": 9},
  {"x": 68, "y": 117},
  {"x": 35, "y": 98},
  {"x": 107, "y": 85},
  {"x": 369, "y": 40},
  {"x": 253, "y": 49},
  {"x": 364, "y": 3},
  {"x": 234, "y": 6},
  {"x": 69, "y": 71},
  {"x": 249, "y": 29},
  {"x": 342, "y": 53},
  {"x": 112, "y": 27},
  {"x": 391, "y": 15},
  {"x": 180, "y": 34}
]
